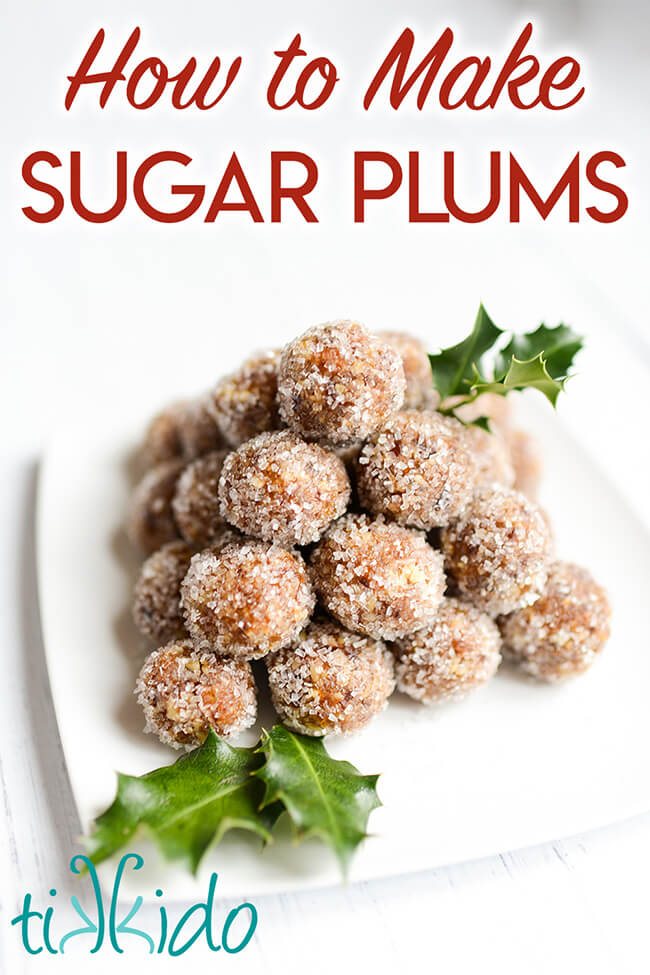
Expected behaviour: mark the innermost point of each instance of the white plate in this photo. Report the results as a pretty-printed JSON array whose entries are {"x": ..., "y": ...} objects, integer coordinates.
[{"x": 513, "y": 765}]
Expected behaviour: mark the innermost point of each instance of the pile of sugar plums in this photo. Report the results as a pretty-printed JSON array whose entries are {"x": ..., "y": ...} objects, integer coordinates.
[{"x": 315, "y": 510}]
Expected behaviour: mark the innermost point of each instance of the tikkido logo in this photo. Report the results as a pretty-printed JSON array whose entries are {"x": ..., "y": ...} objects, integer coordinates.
[{"x": 105, "y": 929}]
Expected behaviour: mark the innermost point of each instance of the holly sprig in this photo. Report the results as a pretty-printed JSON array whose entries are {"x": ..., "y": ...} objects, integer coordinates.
[
  {"x": 541, "y": 359},
  {"x": 190, "y": 805}
]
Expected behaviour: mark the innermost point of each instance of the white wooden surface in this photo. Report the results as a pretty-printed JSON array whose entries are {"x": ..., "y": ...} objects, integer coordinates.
[{"x": 84, "y": 308}]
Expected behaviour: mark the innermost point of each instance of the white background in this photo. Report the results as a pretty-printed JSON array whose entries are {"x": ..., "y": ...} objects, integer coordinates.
[{"x": 91, "y": 311}]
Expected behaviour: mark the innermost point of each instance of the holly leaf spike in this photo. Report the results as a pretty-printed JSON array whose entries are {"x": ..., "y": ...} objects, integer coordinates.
[
  {"x": 558, "y": 345},
  {"x": 187, "y": 806},
  {"x": 541, "y": 359},
  {"x": 453, "y": 368},
  {"x": 324, "y": 797},
  {"x": 530, "y": 374}
]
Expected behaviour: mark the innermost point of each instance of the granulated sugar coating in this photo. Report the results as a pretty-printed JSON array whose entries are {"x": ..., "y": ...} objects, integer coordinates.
[
  {"x": 338, "y": 446},
  {"x": 245, "y": 402},
  {"x": 247, "y": 599},
  {"x": 162, "y": 440},
  {"x": 338, "y": 383},
  {"x": 458, "y": 652},
  {"x": 526, "y": 459},
  {"x": 349, "y": 454},
  {"x": 417, "y": 369},
  {"x": 185, "y": 692},
  {"x": 331, "y": 682},
  {"x": 498, "y": 551},
  {"x": 280, "y": 488},
  {"x": 184, "y": 430},
  {"x": 198, "y": 431},
  {"x": 150, "y": 520},
  {"x": 196, "y": 503},
  {"x": 561, "y": 634},
  {"x": 377, "y": 578},
  {"x": 491, "y": 457},
  {"x": 157, "y": 609},
  {"x": 417, "y": 469}
]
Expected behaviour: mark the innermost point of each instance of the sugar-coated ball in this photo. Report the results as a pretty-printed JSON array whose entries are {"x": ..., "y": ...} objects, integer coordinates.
[
  {"x": 491, "y": 456},
  {"x": 281, "y": 488},
  {"x": 377, "y": 578},
  {"x": 331, "y": 682},
  {"x": 563, "y": 632},
  {"x": 417, "y": 369},
  {"x": 196, "y": 502},
  {"x": 416, "y": 469},
  {"x": 349, "y": 454},
  {"x": 493, "y": 407},
  {"x": 184, "y": 692},
  {"x": 526, "y": 460},
  {"x": 150, "y": 519},
  {"x": 157, "y": 608},
  {"x": 458, "y": 652},
  {"x": 247, "y": 599},
  {"x": 245, "y": 402},
  {"x": 183, "y": 430},
  {"x": 338, "y": 383},
  {"x": 499, "y": 550}
]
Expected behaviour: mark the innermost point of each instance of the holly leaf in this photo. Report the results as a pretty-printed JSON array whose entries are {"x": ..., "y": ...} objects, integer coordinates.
[
  {"x": 541, "y": 360},
  {"x": 531, "y": 374},
  {"x": 187, "y": 806},
  {"x": 324, "y": 797},
  {"x": 558, "y": 345},
  {"x": 453, "y": 368},
  {"x": 480, "y": 421}
]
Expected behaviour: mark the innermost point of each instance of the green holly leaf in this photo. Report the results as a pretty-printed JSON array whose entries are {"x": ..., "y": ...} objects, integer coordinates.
[
  {"x": 324, "y": 797},
  {"x": 481, "y": 421},
  {"x": 541, "y": 360},
  {"x": 453, "y": 368},
  {"x": 187, "y": 806},
  {"x": 531, "y": 374},
  {"x": 558, "y": 345}
]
